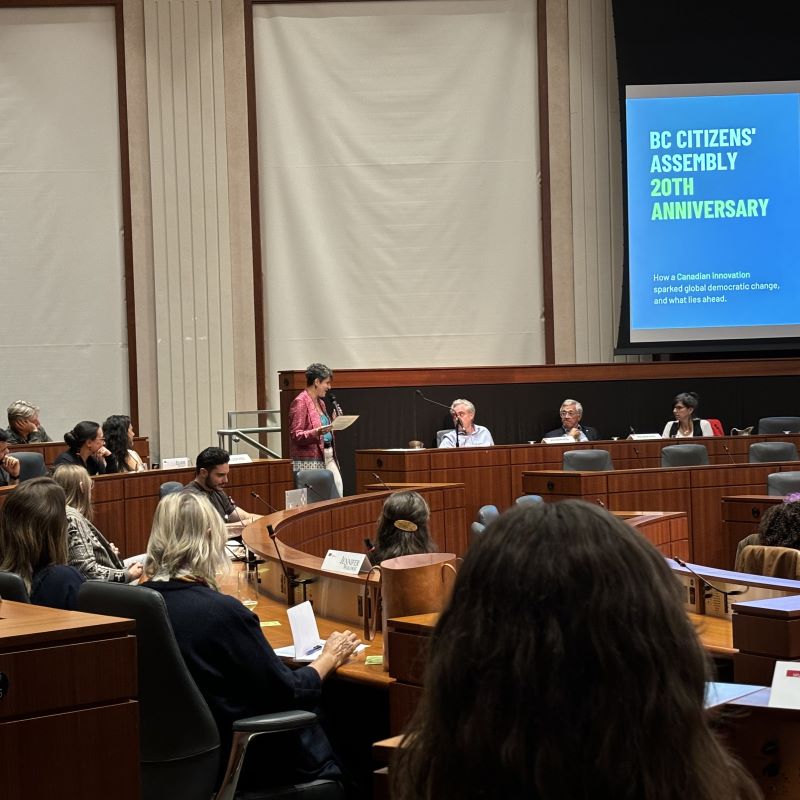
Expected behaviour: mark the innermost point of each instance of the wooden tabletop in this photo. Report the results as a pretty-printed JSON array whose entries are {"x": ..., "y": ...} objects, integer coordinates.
[{"x": 269, "y": 610}]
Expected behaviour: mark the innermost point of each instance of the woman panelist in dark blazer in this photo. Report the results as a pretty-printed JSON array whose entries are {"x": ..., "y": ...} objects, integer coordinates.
[
  {"x": 686, "y": 424},
  {"x": 310, "y": 426}
]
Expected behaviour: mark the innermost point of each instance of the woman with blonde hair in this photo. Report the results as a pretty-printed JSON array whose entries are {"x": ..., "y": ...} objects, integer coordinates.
[
  {"x": 93, "y": 555},
  {"x": 33, "y": 543},
  {"x": 223, "y": 644}
]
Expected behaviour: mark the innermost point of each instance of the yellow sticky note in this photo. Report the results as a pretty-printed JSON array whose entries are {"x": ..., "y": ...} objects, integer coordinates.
[
  {"x": 373, "y": 661},
  {"x": 270, "y": 623}
]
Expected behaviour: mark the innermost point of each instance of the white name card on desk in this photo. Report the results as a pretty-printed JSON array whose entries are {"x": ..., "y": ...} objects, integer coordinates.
[
  {"x": 785, "y": 685},
  {"x": 558, "y": 440},
  {"x": 641, "y": 437},
  {"x": 344, "y": 563},
  {"x": 175, "y": 463},
  {"x": 240, "y": 458}
]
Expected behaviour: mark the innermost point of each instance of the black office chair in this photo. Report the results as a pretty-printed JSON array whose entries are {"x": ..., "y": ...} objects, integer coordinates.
[
  {"x": 168, "y": 487},
  {"x": 761, "y": 452},
  {"x": 31, "y": 465},
  {"x": 12, "y": 587},
  {"x": 587, "y": 460},
  {"x": 684, "y": 455},
  {"x": 779, "y": 425},
  {"x": 783, "y": 483},
  {"x": 319, "y": 483},
  {"x": 179, "y": 743}
]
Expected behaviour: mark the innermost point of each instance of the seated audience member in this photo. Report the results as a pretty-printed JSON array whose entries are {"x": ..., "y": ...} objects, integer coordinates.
[
  {"x": 119, "y": 433},
  {"x": 23, "y": 424},
  {"x": 571, "y": 413},
  {"x": 33, "y": 543},
  {"x": 686, "y": 424},
  {"x": 211, "y": 474},
  {"x": 552, "y": 675},
  {"x": 90, "y": 551},
  {"x": 87, "y": 449},
  {"x": 9, "y": 466},
  {"x": 402, "y": 527},
  {"x": 465, "y": 432},
  {"x": 224, "y": 647},
  {"x": 780, "y": 526}
]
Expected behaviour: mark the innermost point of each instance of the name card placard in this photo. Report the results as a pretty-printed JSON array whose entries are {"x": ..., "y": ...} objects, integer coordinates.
[
  {"x": 175, "y": 463},
  {"x": 240, "y": 458},
  {"x": 641, "y": 437},
  {"x": 344, "y": 563}
]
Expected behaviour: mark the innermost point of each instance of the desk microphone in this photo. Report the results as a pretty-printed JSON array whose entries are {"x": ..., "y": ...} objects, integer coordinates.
[
  {"x": 314, "y": 491},
  {"x": 428, "y": 400},
  {"x": 381, "y": 481},
  {"x": 290, "y": 581},
  {"x": 262, "y": 500},
  {"x": 723, "y": 592},
  {"x": 725, "y": 448},
  {"x": 639, "y": 458}
]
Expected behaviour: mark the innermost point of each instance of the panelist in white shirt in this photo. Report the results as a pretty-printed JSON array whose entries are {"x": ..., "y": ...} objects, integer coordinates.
[
  {"x": 465, "y": 432},
  {"x": 686, "y": 424}
]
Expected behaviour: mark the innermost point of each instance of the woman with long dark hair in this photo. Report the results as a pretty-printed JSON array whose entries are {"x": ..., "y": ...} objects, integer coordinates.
[
  {"x": 119, "y": 433},
  {"x": 402, "y": 527},
  {"x": 565, "y": 667}
]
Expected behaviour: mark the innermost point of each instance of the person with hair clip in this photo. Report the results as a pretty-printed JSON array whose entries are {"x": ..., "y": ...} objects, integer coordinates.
[
  {"x": 93, "y": 555},
  {"x": 565, "y": 666},
  {"x": 311, "y": 440},
  {"x": 87, "y": 449},
  {"x": 686, "y": 424},
  {"x": 224, "y": 648},
  {"x": 402, "y": 527},
  {"x": 119, "y": 434},
  {"x": 33, "y": 543}
]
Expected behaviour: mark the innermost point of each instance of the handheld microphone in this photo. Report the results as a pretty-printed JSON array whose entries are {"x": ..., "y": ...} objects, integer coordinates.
[
  {"x": 639, "y": 458},
  {"x": 336, "y": 407},
  {"x": 381, "y": 481},
  {"x": 262, "y": 500},
  {"x": 728, "y": 452},
  {"x": 724, "y": 592}
]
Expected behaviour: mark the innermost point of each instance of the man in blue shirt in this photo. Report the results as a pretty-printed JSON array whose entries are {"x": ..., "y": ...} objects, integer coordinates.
[{"x": 465, "y": 433}]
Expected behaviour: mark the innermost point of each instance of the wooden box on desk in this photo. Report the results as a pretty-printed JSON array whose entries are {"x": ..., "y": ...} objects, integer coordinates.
[
  {"x": 409, "y": 640},
  {"x": 765, "y": 631}
]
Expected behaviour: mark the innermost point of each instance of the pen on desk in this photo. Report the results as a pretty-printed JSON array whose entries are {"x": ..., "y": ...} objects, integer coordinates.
[{"x": 313, "y": 649}]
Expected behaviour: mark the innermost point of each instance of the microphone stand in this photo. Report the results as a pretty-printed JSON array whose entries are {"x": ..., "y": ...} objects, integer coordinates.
[{"x": 437, "y": 403}]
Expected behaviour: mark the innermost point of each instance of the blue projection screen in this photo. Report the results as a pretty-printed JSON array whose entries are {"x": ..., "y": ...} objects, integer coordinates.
[{"x": 713, "y": 212}]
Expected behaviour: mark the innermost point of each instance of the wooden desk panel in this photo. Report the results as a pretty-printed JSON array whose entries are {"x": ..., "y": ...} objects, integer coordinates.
[{"x": 741, "y": 517}]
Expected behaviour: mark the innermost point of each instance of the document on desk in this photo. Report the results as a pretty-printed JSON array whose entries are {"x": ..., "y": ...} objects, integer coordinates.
[{"x": 305, "y": 634}]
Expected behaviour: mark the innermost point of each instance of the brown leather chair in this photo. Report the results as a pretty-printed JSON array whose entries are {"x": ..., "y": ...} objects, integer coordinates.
[{"x": 775, "y": 562}]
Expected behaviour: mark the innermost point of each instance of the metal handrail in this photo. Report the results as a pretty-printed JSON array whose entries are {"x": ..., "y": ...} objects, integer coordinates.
[{"x": 236, "y": 434}]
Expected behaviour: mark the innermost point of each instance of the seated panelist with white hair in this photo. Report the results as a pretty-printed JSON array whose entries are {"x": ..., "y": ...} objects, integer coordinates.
[
  {"x": 23, "y": 424},
  {"x": 571, "y": 413},
  {"x": 465, "y": 432}
]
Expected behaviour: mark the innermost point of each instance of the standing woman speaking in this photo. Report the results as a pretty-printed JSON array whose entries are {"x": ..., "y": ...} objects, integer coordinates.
[{"x": 310, "y": 428}]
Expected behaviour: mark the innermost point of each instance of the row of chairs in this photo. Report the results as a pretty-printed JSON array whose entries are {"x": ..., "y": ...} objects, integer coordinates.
[{"x": 679, "y": 455}]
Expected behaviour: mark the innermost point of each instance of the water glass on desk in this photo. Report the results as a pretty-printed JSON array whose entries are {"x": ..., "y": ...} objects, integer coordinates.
[{"x": 247, "y": 587}]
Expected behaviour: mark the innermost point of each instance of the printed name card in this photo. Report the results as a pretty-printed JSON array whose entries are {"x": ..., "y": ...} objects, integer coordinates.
[
  {"x": 175, "y": 463},
  {"x": 785, "y": 685},
  {"x": 346, "y": 563},
  {"x": 240, "y": 458}
]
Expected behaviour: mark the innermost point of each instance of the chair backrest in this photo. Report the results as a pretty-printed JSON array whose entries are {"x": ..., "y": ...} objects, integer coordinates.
[
  {"x": 179, "y": 742},
  {"x": 31, "y": 465},
  {"x": 779, "y": 425},
  {"x": 476, "y": 530},
  {"x": 772, "y": 451},
  {"x": 523, "y": 499},
  {"x": 319, "y": 483},
  {"x": 684, "y": 455},
  {"x": 592, "y": 460},
  {"x": 781, "y": 483},
  {"x": 168, "y": 487},
  {"x": 776, "y": 562},
  {"x": 12, "y": 587},
  {"x": 487, "y": 514},
  {"x": 440, "y": 435},
  {"x": 716, "y": 427}
]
